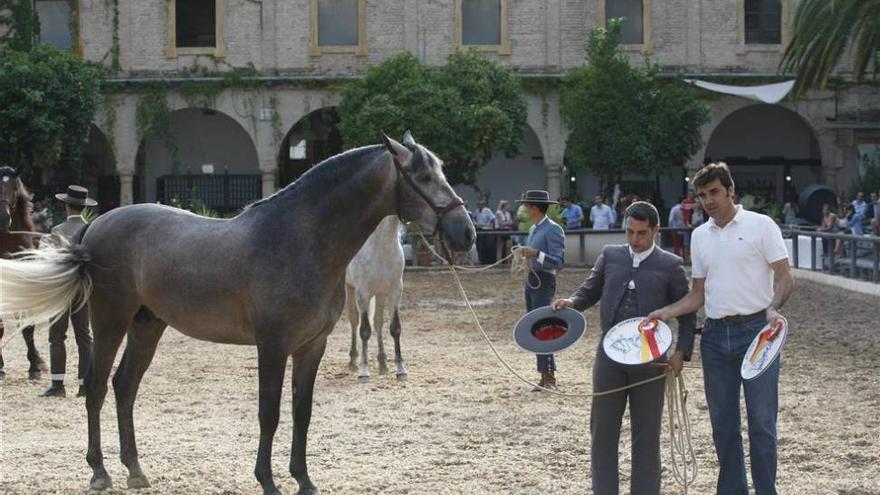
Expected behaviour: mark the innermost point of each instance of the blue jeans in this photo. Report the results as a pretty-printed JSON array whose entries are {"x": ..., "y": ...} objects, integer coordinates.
[
  {"x": 536, "y": 298},
  {"x": 722, "y": 347}
]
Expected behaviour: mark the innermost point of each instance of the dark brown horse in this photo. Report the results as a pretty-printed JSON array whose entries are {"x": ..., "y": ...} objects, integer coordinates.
[
  {"x": 272, "y": 277},
  {"x": 14, "y": 217}
]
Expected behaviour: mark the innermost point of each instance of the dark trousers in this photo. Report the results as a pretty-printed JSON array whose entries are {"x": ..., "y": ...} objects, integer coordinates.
[
  {"x": 536, "y": 298},
  {"x": 606, "y": 415},
  {"x": 57, "y": 349}
]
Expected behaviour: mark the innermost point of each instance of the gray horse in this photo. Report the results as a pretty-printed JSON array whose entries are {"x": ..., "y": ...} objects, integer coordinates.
[{"x": 274, "y": 277}]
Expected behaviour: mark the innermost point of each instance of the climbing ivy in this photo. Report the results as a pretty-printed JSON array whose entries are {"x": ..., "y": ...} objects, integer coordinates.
[{"x": 18, "y": 25}]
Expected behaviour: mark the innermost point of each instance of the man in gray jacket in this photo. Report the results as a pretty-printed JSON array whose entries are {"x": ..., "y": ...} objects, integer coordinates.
[
  {"x": 631, "y": 281},
  {"x": 75, "y": 200}
]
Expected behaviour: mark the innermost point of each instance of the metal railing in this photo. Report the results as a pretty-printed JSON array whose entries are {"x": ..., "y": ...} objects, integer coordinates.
[{"x": 860, "y": 257}]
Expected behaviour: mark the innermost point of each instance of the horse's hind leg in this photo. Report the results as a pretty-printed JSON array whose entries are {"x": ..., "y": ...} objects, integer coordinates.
[
  {"x": 378, "y": 323},
  {"x": 365, "y": 331},
  {"x": 38, "y": 366},
  {"x": 108, "y": 333},
  {"x": 305, "y": 368},
  {"x": 352, "y": 308},
  {"x": 139, "y": 350},
  {"x": 2, "y": 372},
  {"x": 395, "y": 334}
]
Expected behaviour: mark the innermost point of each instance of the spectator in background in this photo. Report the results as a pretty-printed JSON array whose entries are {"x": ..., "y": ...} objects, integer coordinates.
[
  {"x": 503, "y": 218},
  {"x": 523, "y": 223},
  {"x": 572, "y": 213},
  {"x": 676, "y": 221},
  {"x": 829, "y": 226},
  {"x": 789, "y": 212},
  {"x": 875, "y": 204},
  {"x": 486, "y": 244},
  {"x": 698, "y": 217},
  {"x": 42, "y": 217},
  {"x": 601, "y": 215},
  {"x": 504, "y": 221},
  {"x": 859, "y": 210},
  {"x": 687, "y": 207}
]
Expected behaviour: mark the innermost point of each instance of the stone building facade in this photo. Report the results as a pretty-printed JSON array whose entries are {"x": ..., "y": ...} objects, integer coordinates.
[{"x": 302, "y": 51}]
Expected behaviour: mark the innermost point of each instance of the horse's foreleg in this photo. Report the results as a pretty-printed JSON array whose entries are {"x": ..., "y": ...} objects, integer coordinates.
[
  {"x": 352, "y": 308},
  {"x": 2, "y": 372},
  {"x": 38, "y": 366},
  {"x": 272, "y": 359},
  {"x": 107, "y": 337},
  {"x": 305, "y": 368},
  {"x": 139, "y": 350},
  {"x": 364, "y": 369},
  {"x": 395, "y": 334},
  {"x": 378, "y": 323}
]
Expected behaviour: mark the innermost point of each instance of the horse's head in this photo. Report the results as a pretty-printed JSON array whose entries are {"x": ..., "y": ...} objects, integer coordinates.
[
  {"x": 426, "y": 198},
  {"x": 9, "y": 186}
]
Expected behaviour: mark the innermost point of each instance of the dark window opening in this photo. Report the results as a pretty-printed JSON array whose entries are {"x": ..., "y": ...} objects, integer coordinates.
[
  {"x": 195, "y": 22},
  {"x": 763, "y": 19},
  {"x": 55, "y": 23},
  {"x": 337, "y": 22},
  {"x": 632, "y": 30},
  {"x": 481, "y": 22}
]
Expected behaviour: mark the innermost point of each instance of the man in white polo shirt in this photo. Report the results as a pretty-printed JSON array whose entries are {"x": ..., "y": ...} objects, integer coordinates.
[{"x": 741, "y": 274}]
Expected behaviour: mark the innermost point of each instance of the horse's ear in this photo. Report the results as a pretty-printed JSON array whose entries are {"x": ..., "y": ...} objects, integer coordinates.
[
  {"x": 408, "y": 140},
  {"x": 396, "y": 149}
]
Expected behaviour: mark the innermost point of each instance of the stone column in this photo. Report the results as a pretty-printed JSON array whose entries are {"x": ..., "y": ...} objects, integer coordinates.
[
  {"x": 126, "y": 191},
  {"x": 268, "y": 183},
  {"x": 553, "y": 178}
]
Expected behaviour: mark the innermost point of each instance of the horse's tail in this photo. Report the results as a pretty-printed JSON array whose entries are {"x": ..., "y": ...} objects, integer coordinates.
[{"x": 40, "y": 285}]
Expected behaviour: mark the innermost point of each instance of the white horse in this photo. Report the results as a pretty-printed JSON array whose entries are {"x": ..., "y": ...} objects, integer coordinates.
[{"x": 376, "y": 274}]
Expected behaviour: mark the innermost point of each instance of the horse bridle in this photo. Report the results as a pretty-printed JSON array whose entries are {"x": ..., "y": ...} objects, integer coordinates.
[{"x": 440, "y": 211}]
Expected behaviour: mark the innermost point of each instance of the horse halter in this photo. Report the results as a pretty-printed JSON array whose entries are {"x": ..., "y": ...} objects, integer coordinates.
[{"x": 440, "y": 211}]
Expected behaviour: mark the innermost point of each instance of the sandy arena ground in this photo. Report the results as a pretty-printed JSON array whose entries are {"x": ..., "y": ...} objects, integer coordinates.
[{"x": 460, "y": 424}]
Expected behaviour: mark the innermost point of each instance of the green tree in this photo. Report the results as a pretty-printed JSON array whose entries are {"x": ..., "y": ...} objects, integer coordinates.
[
  {"x": 824, "y": 31},
  {"x": 465, "y": 111},
  {"x": 18, "y": 24},
  {"x": 47, "y": 100},
  {"x": 625, "y": 120}
]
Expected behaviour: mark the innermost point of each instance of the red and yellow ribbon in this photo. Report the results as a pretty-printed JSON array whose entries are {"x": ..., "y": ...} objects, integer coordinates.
[
  {"x": 650, "y": 350},
  {"x": 763, "y": 340}
]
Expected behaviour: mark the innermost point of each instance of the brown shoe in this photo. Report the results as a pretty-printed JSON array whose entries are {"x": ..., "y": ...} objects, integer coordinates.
[
  {"x": 541, "y": 383},
  {"x": 550, "y": 381}
]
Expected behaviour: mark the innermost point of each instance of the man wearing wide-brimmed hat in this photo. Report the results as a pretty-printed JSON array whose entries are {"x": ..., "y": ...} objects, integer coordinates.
[
  {"x": 545, "y": 249},
  {"x": 75, "y": 200}
]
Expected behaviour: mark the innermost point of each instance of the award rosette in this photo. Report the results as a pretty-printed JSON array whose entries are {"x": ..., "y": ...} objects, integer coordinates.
[
  {"x": 764, "y": 351},
  {"x": 637, "y": 341},
  {"x": 545, "y": 331}
]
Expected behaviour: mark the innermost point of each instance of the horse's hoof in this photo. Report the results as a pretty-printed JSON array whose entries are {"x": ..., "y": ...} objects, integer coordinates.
[
  {"x": 364, "y": 379},
  {"x": 2, "y": 375},
  {"x": 312, "y": 490},
  {"x": 352, "y": 367},
  {"x": 99, "y": 484},
  {"x": 135, "y": 482},
  {"x": 383, "y": 370},
  {"x": 401, "y": 376},
  {"x": 35, "y": 375}
]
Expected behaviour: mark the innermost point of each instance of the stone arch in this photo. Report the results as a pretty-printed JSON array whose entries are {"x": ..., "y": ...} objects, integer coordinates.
[
  {"x": 201, "y": 142},
  {"x": 310, "y": 140},
  {"x": 772, "y": 150}
]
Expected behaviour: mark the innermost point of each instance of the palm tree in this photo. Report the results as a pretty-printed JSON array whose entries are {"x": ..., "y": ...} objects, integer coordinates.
[{"x": 823, "y": 31}]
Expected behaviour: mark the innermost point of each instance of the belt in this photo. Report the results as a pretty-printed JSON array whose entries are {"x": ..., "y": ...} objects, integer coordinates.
[{"x": 735, "y": 319}]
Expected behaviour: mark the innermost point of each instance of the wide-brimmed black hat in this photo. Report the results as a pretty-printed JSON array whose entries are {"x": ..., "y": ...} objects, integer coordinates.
[
  {"x": 545, "y": 331},
  {"x": 76, "y": 195},
  {"x": 537, "y": 196}
]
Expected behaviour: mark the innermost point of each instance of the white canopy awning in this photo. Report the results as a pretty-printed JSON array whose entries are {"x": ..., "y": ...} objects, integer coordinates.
[{"x": 768, "y": 93}]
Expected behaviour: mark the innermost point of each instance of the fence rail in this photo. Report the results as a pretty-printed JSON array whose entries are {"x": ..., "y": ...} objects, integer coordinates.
[{"x": 222, "y": 192}]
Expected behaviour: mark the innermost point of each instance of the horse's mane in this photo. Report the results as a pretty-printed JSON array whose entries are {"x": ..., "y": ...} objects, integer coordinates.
[{"x": 322, "y": 175}]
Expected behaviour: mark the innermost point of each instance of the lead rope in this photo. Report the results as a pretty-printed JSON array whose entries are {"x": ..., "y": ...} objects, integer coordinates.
[{"x": 684, "y": 462}]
